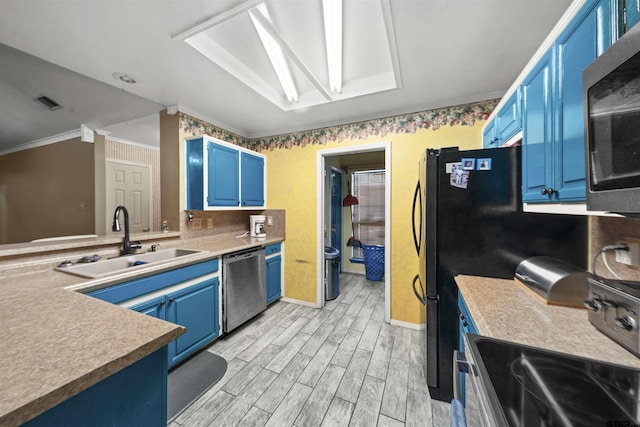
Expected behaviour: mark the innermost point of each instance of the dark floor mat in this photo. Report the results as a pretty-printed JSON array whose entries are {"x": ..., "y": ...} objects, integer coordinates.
[{"x": 192, "y": 379}]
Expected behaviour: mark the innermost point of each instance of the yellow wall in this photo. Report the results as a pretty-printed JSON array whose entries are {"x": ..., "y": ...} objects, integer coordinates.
[{"x": 291, "y": 185}]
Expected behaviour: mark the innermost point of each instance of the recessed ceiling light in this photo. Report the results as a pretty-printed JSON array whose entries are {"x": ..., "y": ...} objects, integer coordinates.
[{"x": 125, "y": 78}]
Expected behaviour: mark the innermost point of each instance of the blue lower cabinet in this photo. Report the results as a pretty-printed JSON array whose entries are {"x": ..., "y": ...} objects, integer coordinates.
[
  {"x": 467, "y": 326},
  {"x": 117, "y": 294},
  {"x": 195, "y": 308},
  {"x": 274, "y": 278},
  {"x": 134, "y": 396}
]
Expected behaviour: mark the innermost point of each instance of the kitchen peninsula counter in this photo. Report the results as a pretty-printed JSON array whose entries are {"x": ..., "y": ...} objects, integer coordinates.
[
  {"x": 502, "y": 309},
  {"x": 57, "y": 342}
]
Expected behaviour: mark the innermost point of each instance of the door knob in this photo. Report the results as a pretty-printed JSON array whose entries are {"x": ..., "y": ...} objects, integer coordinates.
[{"x": 548, "y": 191}]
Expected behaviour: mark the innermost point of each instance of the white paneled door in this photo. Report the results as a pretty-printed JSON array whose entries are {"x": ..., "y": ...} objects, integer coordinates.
[{"x": 129, "y": 185}]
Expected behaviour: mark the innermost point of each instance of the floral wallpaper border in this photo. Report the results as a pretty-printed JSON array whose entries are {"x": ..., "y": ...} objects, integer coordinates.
[{"x": 459, "y": 115}]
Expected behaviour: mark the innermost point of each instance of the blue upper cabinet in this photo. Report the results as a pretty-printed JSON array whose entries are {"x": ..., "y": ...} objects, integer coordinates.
[
  {"x": 194, "y": 168},
  {"x": 252, "y": 180},
  {"x": 506, "y": 123},
  {"x": 509, "y": 118},
  {"x": 489, "y": 139},
  {"x": 222, "y": 178},
  {"x": 553, "y": 124},
  {"x": 537, "y": 130},
  {"x": 631, "y": 13},
  {"x": 220, "y": 175},
  {"x": 586, "y": 37}
]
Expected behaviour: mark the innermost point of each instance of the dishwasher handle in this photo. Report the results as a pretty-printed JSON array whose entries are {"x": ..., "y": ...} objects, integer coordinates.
[{"x": 239, "y": 256}]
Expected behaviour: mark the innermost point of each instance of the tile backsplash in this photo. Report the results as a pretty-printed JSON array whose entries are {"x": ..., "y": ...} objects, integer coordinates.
[
  {"x": 210, "y": 223},
  {"x": 611, "y": 231}
]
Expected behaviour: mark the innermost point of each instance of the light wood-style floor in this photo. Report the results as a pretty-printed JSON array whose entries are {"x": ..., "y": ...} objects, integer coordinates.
[{"x": 337, "y": 366}]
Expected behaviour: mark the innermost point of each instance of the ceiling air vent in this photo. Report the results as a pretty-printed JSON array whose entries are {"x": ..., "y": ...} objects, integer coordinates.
[{"x": 48, "y": 102}]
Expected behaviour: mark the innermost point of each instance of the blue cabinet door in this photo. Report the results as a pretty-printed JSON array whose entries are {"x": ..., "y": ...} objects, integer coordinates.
[
  {"x": 537, "y": 131},
  {"x": 632, "y": 13},
  {"x": 223, "y": 180},
  {"x": 195, "y": 174},
  {"x": 252, "y": 181},
  {"x": 584, "y": 39},
  {"x": 467, "y": 326},
  {"x": 509, "y": 118},
  {"x": 489, "y": 138},
  {"x": 274, "y": 278},
  {"x": 195, "y": 308}
]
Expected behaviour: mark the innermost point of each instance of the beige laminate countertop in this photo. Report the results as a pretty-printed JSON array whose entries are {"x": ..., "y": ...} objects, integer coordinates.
[
  {"x": 57, "y": 342},
  {"x": 503, "y": 309}
]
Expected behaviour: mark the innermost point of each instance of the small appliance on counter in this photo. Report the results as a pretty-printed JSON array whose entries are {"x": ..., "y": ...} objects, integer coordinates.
[
  {"x": 614, "y": 309},
  {"x": 257, "y": 226},
  {"x": 554, "y": 281}
]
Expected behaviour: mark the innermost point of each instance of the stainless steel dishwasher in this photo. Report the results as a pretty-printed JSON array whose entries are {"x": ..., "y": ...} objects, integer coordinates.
[{"x": 244, "y": 290}]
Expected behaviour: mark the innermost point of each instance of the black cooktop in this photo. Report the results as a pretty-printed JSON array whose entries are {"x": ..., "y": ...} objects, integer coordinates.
[{"x": 529, "y": 386}]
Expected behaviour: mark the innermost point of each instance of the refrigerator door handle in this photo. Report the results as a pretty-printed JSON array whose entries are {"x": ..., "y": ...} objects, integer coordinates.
[
  {"x": 420, "y": 295},
  {"x": 417, "y": 236}
]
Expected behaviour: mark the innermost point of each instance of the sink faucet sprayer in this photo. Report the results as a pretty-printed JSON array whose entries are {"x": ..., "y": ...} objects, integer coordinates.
[{"x": 126, "y": 244}]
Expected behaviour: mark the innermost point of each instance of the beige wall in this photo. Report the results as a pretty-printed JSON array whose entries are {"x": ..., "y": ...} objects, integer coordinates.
[
  {"x": 170, "y": 155},
  {"x": 56, "y": 178}
]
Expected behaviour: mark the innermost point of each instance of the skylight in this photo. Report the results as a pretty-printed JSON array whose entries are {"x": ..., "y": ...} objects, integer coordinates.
[{"x": 301, "y": 54}]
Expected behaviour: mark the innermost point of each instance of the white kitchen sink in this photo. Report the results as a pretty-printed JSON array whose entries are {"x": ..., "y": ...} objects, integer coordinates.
[{"x": 122, "y": 264}]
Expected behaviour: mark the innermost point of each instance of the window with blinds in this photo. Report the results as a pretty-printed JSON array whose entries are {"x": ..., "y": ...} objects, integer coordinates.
[{"x": 368, "y": 214}]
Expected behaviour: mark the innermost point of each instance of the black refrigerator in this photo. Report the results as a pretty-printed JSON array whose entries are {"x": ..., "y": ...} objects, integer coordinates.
[{"x": 468, "y": 219}]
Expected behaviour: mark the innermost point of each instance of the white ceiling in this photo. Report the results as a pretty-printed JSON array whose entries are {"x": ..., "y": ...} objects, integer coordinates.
[{"x": 449, "y": 52}]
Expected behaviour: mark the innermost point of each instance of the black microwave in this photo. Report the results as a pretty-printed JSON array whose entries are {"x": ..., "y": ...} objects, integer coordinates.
[{"x": 611, "y": 98}]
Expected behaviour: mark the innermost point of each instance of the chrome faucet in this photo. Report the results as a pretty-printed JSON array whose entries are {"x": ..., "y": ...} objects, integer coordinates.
[{"x": 126, "y": 244}]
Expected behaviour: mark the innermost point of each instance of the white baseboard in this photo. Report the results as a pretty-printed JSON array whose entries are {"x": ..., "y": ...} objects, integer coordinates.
[
  {"x": 300, "y": 302},
  {"x": 416, "y": 326}
]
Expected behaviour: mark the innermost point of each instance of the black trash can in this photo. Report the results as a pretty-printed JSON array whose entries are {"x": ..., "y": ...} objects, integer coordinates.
[{"x": 331, "y": 273}]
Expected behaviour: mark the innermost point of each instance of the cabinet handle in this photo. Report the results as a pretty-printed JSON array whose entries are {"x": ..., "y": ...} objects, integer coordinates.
[
  {"x": 161, "y": 302},
  {"x": 494, "y": 140},
  {"x": 171, "y": 300},
  {"x": 548, "y": 191}
]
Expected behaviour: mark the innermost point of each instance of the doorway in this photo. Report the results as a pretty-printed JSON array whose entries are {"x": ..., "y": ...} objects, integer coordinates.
[
  {"x": 322, "y": 159},
  {"x": 336, "y": 208},
  {"x": 129, "y": 184}
]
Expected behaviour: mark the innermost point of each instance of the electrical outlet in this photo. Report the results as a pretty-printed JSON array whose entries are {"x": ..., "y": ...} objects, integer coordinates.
[
  {"x": 631, "y": 256},
  {"x": 269, "y": 220},
  {"x": 196, "y": 224},
  {"x": 209, "y": 223}
]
